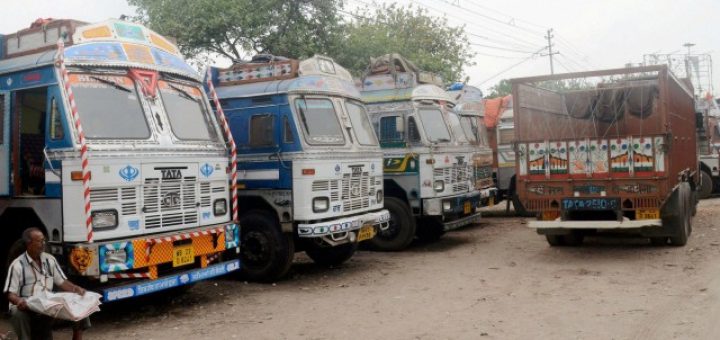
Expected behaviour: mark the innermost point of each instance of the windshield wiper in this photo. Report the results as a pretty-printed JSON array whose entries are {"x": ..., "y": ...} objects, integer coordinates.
[
  {"x": 112, "y": 83},
  {"x": 182, "y": 92}
]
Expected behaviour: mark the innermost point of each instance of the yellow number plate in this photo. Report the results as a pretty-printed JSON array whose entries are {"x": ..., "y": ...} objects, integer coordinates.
[
  {"x": 366, "y": 232},
  {"x": 467, "y": 207},
  {"x": 183, "y": 255},
  {"x": 647, "y": 214},
  {"x": 491, "y": 202}
]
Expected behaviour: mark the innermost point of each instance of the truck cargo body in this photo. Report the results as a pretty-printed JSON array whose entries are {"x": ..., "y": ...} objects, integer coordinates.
[{"x": 609, "y": 150}]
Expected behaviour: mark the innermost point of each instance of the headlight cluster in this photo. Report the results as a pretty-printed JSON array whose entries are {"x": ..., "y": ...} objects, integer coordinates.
[
  {"x": 447, "y": 206},
  {"x": 439, "y": 185},
  {"x": 220, "y": 207},
  {"x": 320, "y": 204},
  {"x": 104, "y": 219}
]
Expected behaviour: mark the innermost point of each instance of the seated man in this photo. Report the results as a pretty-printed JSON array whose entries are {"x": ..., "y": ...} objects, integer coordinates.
[{"x": 31, "y": 273}]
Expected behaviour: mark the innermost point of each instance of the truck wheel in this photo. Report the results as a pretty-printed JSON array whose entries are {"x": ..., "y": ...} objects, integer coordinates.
[
  {"x": 265, "y": 252},
  {"x": 330, "y": 256},
  {"x": 574, "y": 239},
  {"x": 555, "y": 240},
  {"x": 429, "y": 230},
  {"x": 706, "y": 185},
  {"x": 401, "y": 230},
  {"x": 681, "y": 223}
]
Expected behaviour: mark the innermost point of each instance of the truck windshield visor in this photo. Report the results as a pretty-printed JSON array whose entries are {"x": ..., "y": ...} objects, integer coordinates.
[
  {"x": 434, "y": 125},
  {"x": 319, "y": 121},
  {"x": 109, "y": 107},
  {"x": 186, "y": 110},
  {"x": 361, "y": 124}
]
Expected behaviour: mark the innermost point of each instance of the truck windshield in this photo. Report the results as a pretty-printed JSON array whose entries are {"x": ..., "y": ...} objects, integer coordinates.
[
  {"x": 319, "y": 121},
  {"x": 189, "y": 120},
  {"x": 109, "y": 107},
  {"x": 434, "y": 125},
  {"x": 457, "y": 130},
  {"x": 361, "y": 124},
  {"x": 470, "y": 127}
]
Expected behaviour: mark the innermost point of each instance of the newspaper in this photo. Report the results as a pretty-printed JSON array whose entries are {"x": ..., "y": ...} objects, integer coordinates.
[{"x": 66, "y": 306}]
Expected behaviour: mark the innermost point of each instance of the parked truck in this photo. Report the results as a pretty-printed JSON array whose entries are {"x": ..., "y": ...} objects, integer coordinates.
[
  {"x": 429, "y": 172},
  {"x": 310, "y": 169},
  {"x": 611, "y": 150},
  {"x": 109, "y": 146},
  {"x": 708, "y": 111}
]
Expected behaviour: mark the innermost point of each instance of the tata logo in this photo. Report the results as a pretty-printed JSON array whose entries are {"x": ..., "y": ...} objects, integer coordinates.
[
  {"x": 460, "y": 159},
  {"x": 129, "y": 173},
  {"x": 171, "y": 174},
  {"x": 356, "y": 170},
  {"x": 171, "y": 200}
]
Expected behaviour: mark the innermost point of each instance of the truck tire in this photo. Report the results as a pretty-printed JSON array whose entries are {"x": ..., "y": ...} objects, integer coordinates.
[
  {"x": 706, "y": 185},
  {"x": 681, "y": 223},
  {"x": 517, "y": 206},
  {"x": 330, "y": 256},
  {"x": 401, "y": 230},
  {"x": 429, "y": 230},
  {"x": 265, "y": 252},
  {"x": 555, "y": 240}
]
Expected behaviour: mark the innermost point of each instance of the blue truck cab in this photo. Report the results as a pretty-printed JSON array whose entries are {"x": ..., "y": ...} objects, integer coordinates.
[{"x": 310, "y": 173}]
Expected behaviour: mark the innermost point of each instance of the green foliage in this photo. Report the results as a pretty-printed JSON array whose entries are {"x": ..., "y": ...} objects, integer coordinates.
[
  {"x": 429, "y": 42},
  {"x": 238, "y": 28},
  {"x": 501, "y": 89}
]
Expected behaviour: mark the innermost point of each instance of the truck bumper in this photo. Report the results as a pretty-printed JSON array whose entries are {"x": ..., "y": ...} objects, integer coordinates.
[
  {"x": 624, "y": 224},
  {"x": 455, "y": 211},
  {"x": 339, "y": 229},
  {"x": 171, "y": 281}
]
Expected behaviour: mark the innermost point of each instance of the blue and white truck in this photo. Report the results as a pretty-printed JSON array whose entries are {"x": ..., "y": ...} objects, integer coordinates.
[
  {"x": 310, "y": 173},
  {"x": 430, "y": 179},
  {"x": 109, "y": 146}
]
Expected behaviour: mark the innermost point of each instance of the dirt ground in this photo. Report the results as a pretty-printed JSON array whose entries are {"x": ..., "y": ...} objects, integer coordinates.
[{"x": 494, "y": 280}]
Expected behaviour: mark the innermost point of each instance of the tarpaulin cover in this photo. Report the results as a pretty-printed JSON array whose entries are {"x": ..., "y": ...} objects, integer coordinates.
[{"x": 493, "y": 108}]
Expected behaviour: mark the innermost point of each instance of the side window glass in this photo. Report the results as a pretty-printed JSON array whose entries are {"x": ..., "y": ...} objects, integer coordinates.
[
  {"x": 287, "y": 131},
  {"x": 56, "y": 128},
  {"x": 413, "y": 132},
  {"x": 2, "y": 118},
  {"x": 261, "y": 131},
  {"x": 389, "y": 129}
]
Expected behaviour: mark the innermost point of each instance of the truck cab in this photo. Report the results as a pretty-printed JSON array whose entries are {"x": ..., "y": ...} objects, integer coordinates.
[
  {"x": 429, "y": 179},
  {"x": 310, "y": 171},
  {"x": 110, "y": 147}
]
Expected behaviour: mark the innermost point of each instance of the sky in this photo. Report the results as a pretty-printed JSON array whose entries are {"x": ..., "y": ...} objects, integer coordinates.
[{"x": 589, "y": 34}]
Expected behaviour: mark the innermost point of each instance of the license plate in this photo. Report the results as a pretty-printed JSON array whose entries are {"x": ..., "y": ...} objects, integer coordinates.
[
  {"x": 491, "y": 202},
  {"x": 647, "y": 214},
  {"x": 366, "y": 232},
  {"x": 593, "y": 204},
  {"x": 467, "y": 207},
  {"x": 183, "y": 255}
]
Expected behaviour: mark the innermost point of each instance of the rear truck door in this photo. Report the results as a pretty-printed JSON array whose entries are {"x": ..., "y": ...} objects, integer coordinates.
[{"x": 4, "y": 143}]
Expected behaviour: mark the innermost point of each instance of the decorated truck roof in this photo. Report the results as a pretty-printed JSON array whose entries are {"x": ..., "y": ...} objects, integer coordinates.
[
  {"x": 393, "y": 78},
  {"x": 267, "y": 75},
  {"x": 109, "y": 43}
]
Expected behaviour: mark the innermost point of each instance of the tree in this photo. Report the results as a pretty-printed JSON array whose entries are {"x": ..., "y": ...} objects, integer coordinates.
[
  {"x": 237, "y": 28},
  {"x": 429, "y": 42},
  {"x": 501, "y": 89}
]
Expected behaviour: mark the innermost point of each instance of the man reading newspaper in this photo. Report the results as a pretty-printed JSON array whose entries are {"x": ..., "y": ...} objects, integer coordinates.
[{"x": 31, "y": 279}]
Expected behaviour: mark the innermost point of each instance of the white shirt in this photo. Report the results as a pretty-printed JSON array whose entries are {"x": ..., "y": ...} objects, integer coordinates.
[{"x": 26, "y": 277}]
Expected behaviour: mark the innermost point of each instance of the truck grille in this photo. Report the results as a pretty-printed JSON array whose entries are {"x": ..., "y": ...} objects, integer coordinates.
[
  {"x": 125, "y": 196},
  {"x": 353, "y": 191},
  {"x": 456, "y": 177},
  {"x": 170, "y": 202}
]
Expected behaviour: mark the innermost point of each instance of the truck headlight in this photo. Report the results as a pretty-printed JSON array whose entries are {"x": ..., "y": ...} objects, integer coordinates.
[
  {"x": 104, "y": 219},
  {"x": 447, "y": 206},
  {"x": 320, "y": 204},
  {"x": 220, "y": 207},
  {"x": 439, "y": 185},
  {"x": 379, "y": 196},
  {"x": 116, "y": 256}
]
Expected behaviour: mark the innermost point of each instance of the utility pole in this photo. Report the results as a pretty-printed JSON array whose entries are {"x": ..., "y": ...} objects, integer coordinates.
[{"x": 550, "y": 53}]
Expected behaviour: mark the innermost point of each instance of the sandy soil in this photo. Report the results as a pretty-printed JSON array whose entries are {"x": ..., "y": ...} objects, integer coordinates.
[{"x": 494, "y": 280}]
